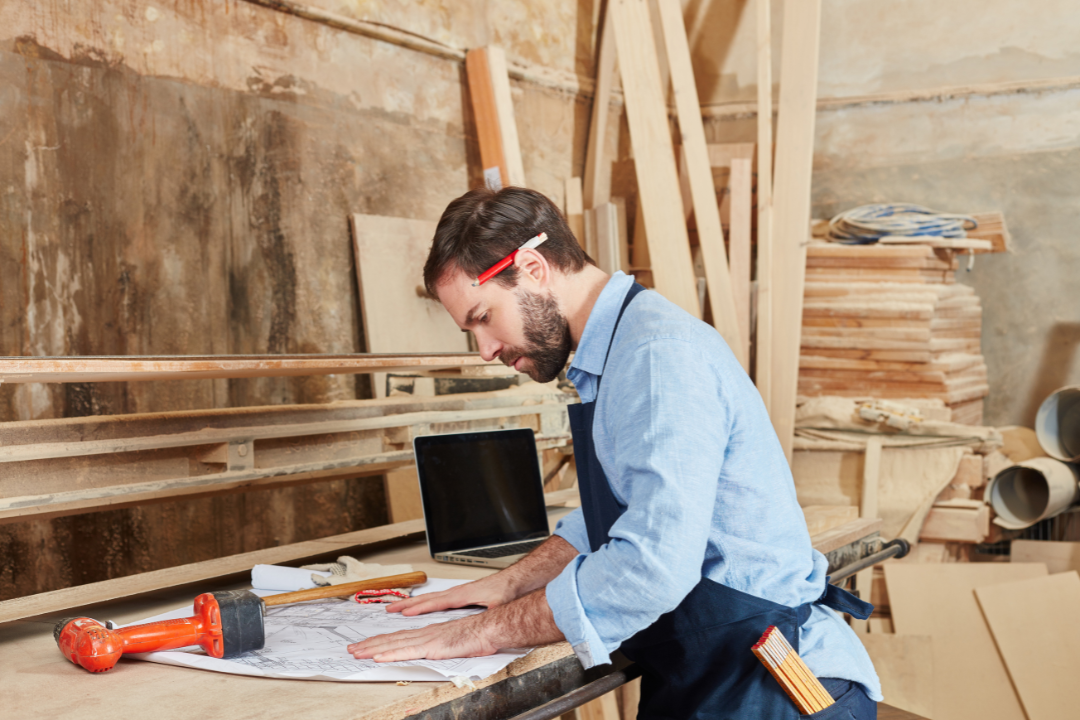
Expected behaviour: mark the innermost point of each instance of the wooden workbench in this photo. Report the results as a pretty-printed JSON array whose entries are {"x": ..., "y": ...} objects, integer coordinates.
[{"x": 38, "y": 681}]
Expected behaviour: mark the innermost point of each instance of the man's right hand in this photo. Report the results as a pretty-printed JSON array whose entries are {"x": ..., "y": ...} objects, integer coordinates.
[
  {"x": 532, "y": 572},
  {"x": 490, "y": 592}
]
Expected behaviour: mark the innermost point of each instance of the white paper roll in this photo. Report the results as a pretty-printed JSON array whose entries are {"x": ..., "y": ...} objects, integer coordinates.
[{"x": 277, "y": 577}]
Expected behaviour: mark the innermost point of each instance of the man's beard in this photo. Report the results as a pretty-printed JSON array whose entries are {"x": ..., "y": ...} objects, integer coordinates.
[{"x": 547, "y": 337}]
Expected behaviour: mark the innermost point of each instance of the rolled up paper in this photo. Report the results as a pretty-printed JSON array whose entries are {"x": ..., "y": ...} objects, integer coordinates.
[{"x": 278, "y": 577}]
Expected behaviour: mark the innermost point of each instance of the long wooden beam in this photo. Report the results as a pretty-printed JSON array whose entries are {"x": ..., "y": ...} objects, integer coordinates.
[
  {"x": 791, "y": 206},
  {"x": 67, "y": 466},
  {"x": 130, "y": 368}
]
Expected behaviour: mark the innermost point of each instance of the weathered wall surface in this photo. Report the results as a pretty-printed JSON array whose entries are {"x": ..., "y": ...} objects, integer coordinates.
[
  {"x": 176, "y": 178},
  {"x": 1004, "y": 135}
]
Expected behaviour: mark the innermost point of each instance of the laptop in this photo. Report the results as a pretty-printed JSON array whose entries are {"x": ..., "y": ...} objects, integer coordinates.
[{"x": 483, "y": 496}]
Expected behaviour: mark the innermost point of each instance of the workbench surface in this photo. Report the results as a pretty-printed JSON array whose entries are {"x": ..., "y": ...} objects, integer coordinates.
[{"x": 38, "y": 682}]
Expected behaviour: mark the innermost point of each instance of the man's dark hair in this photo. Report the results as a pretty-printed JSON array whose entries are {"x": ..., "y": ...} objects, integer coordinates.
[{"x": 482, "y": 227}]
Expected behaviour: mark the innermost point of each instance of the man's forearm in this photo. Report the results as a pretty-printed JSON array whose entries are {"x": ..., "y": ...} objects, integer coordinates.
[
  {"x": 526, "y": 621},
  {"x": 541, "y": 566}
]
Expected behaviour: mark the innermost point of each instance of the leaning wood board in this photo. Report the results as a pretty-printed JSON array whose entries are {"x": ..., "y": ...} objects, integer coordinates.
[
  {"x": 654, "y": 155},
  {"x": 1037, "y": 630},
  {"x": 763, "y": 340},
  {"x": 596, "y": 188},
  {"x": 791, "y": 206},
  {"x": 905, "y": 665},
  {"x": 1059, "y": 557},
  {"x": 489, "y": 89},
  {"x": 938, "y": 600},
  {"x": 722, "y": 301},
  {"x": 398, "y": 316},
  {"x": 129, "y": 368}
]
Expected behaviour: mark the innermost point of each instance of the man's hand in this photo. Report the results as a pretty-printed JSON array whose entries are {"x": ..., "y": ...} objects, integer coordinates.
[
  {"x": 533, "y": 571},
  {"x": 521, "y": 623},
  {"x": 492, "y": 591}
]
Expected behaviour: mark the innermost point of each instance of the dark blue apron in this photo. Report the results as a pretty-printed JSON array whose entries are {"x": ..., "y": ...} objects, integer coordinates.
[{"x": 696, "y": 660}]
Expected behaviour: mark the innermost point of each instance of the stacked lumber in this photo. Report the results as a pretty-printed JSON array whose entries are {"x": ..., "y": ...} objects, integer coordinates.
[{"x": 891, "y": 322}]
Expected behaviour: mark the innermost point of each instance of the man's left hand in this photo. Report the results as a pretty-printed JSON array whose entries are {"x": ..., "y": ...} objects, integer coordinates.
[{"x": 462, "y": 638}]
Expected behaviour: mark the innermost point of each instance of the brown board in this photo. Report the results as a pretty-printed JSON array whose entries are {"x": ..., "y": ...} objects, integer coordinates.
[
  {"x": 1037, "y": 630},
  {"x": 938, "y": 600}
]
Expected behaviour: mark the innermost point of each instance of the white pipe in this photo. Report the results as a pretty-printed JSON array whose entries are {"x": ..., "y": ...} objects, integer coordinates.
[
  {"x": 1057, "y": 424},
  {"x": 1031, "y": 491}
]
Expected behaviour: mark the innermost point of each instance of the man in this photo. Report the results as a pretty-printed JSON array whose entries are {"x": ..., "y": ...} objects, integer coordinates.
[{"x": 689, "y": 542}]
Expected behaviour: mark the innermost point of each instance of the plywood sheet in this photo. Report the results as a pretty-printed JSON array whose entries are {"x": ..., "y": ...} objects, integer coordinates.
[
  {"x": 938, "y": 600},
  {"x": 398, "y": 317},
  {"x": 905, "y": 665},
  {"x": 1037, "y": 631},
  {"x": 1059, "y": 557}
]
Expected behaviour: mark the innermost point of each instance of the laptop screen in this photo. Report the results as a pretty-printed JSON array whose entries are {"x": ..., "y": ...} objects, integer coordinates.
[{"x": 480, "y": 488}]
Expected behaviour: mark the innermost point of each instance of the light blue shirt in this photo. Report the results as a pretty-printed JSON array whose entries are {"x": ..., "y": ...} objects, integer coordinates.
[{"x": 687, "y": 445}]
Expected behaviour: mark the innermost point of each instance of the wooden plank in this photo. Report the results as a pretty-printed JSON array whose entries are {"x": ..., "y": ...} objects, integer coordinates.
[
  {"x": 845, "y": 534},
  {"x": 597, "y": 185},
  {"x": 489, "y": 136},
  {"x": 398, "y": 317},
  {"x": 739, "y": 239},
  {"x": 934, "y": 599},
  {"x": 794, "y": 160},
  {"x": 604, "y": 707},
  {"x": 905, "y": 665},
  {"x": 296, "y": 553},
  {"x": 1037, "y": 631},
  {"x": 493, "y": 110},
  {"x": 575, "y": 216},
  {"x": 654, "y": 155},
  {"x": 607, "y": 233},
  {"x": 822, "y": 518},
  {"x": 992, "y": 227},
  {"x": 868, "y": 510},
  {"x": 1059, "y": 557},
  {"x": 504, "y": 110},
  {"x": 722, "y": 302},
  {"x": 956, "y": 524},
  {"x": 722, "y": 155},
  {"x": 56, "y": 467},
  {"x": 132, "y": 368}
]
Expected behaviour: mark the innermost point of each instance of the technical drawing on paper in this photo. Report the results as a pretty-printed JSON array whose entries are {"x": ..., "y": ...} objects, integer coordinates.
[{"x": 308, "y": 641}]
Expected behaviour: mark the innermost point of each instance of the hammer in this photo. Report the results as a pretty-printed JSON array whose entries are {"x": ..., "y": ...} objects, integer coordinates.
[{"x": 225, "y": 624}]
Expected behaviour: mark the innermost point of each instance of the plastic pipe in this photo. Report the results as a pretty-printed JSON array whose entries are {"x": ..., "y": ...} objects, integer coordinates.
[{"x": 1031, "y": 491}]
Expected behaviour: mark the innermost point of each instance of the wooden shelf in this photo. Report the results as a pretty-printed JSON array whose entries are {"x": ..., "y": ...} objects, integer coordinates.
[{"x": 203, "y": 367}]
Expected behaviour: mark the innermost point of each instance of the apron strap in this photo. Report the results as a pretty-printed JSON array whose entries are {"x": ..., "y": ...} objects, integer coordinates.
[{"x": 841, "y": 600}]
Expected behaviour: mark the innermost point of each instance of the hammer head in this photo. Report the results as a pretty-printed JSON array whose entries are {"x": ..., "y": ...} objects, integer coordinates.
[{"x": 241, "y": 621}]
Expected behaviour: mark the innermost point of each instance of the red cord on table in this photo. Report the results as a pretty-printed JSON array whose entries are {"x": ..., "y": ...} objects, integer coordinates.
[{"x": 506, "y": 261}]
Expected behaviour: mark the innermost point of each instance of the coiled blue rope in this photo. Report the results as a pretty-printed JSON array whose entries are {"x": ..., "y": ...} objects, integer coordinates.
[{"x": 868, "y": 223}]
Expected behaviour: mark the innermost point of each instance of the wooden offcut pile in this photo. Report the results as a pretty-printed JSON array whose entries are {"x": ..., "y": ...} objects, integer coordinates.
[{"x": 890, "y": 321}]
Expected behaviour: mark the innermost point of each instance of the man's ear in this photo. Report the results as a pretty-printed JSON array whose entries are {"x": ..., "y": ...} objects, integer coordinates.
[{"x": 533, "y": 269}]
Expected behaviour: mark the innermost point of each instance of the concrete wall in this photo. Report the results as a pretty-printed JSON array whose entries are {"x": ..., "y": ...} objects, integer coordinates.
[
  {"x": 960, "y": 105},
  {"x": 176, "y": 178}
]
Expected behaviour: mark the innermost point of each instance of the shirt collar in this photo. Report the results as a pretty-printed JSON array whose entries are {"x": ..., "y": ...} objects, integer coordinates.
[{"x": 596, "y": 337}]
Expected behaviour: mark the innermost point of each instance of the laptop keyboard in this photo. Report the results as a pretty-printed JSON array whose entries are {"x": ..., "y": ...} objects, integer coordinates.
[{"x": 504, "y": 550}]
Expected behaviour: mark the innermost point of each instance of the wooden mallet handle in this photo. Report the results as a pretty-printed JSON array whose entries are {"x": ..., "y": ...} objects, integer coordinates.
[{"x": 384, "y": 583}]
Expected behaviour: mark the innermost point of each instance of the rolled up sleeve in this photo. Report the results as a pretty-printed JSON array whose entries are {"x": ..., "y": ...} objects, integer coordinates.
[
  {"x": 572, "y": 529},
  {"x": 662, "y": 447}
]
